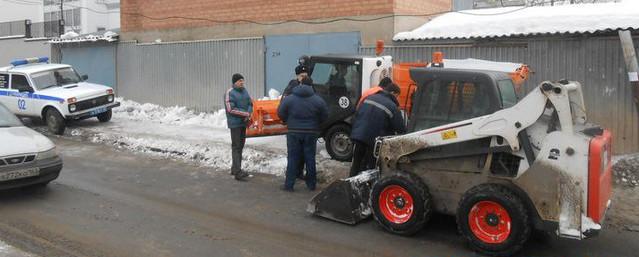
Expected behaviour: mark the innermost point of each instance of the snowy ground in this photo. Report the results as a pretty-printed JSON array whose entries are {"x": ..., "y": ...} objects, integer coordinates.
[
  {"x": 626, "y": 170},
  {"x": 201, "y": 138},
  {"x": 10, "y": 251}
]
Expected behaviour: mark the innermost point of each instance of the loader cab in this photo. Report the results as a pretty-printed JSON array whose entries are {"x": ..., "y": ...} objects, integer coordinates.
[{"x": 445, "y": 96}]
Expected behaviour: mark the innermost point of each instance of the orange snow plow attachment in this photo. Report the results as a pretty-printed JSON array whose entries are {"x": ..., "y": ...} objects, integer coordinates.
[{"x": 264, "y": 120}]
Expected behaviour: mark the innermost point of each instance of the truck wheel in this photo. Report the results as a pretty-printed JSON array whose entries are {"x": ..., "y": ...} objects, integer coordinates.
[
  {"x": 55, "y": 122},
  {"x": 401, "y": 203},
  {"x": 493, "y": 220},
  {"x": 105, "y": 116},
  {"x": 338, "y": 142}
]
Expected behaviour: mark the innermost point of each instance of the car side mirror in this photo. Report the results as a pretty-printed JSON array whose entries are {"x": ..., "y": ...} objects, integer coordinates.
[{"x": 85, "y": 77}]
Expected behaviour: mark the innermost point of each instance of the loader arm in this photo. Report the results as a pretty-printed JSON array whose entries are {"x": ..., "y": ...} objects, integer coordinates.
[{"x": 506, "y": 123}]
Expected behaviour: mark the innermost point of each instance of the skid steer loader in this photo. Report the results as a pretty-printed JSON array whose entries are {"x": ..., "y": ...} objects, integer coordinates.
[{"x": 503, "y": 167}]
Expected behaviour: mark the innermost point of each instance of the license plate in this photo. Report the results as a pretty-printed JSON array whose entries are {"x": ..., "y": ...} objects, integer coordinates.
[
  {"x": 98, "y": 111},
  {"x": 11, "y": 175}
]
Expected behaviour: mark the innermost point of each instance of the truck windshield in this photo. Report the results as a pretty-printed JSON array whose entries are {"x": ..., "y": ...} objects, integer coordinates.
[
  {"x": 507, "y": 91},
  {"x": 55, "y": 78},
  {"x": 7, "y": 119}
]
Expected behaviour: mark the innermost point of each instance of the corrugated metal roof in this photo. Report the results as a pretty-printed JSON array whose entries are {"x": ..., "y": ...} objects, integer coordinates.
[{"x": 525, "y": 21}]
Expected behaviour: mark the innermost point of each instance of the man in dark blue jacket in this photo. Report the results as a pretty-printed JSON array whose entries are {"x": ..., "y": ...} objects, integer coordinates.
[
  {"x": 239, "y": 107},
  {"x": 303, "y": 112},
  {"x": 379, "y": 115}
]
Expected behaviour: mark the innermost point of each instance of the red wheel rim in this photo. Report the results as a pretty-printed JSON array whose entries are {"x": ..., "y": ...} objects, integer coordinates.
[
  {"x": 489, "y": 222},
  {"x": 396, "y": 204}
]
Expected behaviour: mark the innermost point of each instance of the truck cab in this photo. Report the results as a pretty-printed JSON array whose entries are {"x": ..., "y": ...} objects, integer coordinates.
[{"x": 340, "y": 81}]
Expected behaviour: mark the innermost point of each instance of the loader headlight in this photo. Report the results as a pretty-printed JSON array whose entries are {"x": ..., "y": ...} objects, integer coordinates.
[
  {"x": 72, "y": 108},
  {"x": 51, "y": 153},
  {"x": 110, "y": 98}
]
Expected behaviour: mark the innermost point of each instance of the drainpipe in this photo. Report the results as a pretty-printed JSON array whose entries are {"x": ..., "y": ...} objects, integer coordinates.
[{"x": 632, "y": 67}]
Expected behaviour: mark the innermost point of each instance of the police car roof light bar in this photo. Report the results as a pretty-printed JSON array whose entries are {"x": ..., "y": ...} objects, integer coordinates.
[{"x": 25, "y": 61}]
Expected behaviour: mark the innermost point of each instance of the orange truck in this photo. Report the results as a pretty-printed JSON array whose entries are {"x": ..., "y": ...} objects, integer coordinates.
[{"x": 341, "y": 80}]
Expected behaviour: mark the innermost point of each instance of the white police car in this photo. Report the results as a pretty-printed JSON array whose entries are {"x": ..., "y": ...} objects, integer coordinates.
[
  {"x": 53, "y": 92},
  {"x": 26, "y": 157}
]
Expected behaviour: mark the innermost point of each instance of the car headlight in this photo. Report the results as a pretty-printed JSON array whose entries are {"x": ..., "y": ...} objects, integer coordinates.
[
  {"x": 72, "y": 108},
  {"x": 110, "y": 98},
  {"x": 51, "y": 153}
]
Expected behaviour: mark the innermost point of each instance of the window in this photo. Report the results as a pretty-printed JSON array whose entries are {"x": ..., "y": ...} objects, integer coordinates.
[
  {"x": 337, "y": 79},
  {"x": 55, "y": 78},
  {"x": 445, "y": 102},
  {"x": 20, "y": 83},
  {"x": 507, "y": 91},
  {"x": 4, "y": 81}
]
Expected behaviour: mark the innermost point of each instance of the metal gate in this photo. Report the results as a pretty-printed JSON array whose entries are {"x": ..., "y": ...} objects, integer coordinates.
[
  {"x": 282, "y": 52},
  {"x": 94, "y": 59}
]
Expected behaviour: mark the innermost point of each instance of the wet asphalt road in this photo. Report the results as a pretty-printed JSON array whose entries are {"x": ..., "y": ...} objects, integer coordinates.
[{"x": 115, "y": 203}]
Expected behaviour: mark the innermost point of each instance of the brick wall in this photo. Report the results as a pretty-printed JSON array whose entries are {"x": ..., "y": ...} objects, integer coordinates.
[
  {"x": 422, "y": 6},
  {"x": 255, "y": 10}
]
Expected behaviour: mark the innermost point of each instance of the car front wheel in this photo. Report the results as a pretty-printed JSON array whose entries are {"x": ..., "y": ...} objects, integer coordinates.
[{"x": 55, "y": 122}]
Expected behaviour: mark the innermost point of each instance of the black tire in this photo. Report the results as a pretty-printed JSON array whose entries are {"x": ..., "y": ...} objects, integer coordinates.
[
  {"x": 386, "y": 188},
  {"x": 495, "y": 201},
  {"x": 338, "y": 142},
  {"x": 55, "y": 122},
  {"x": 105, "y": 116}
]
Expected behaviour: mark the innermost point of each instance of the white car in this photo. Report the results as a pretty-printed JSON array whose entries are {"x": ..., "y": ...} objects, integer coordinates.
[
  {"x": 53, "y": 92},
  {"x": 27, "y": 158}
]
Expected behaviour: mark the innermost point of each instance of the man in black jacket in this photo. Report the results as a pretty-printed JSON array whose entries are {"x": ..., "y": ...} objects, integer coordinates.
[
  {"x": 303, "y": 112},
  {"x": 379, "y": 115},
  {"x": 301, "y": 71}
]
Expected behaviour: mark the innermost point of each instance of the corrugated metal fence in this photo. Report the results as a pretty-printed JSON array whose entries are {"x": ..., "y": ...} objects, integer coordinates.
[
  {"x": 194, "y": 74},
  {"x": 596, "y": 62}
]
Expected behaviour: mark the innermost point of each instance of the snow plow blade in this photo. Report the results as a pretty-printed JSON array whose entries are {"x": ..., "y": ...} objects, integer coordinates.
[{"x": 345, "y": 200}]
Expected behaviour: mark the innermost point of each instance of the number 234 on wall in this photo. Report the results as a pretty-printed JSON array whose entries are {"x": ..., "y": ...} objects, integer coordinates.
[{"x": 22, "y": 104}]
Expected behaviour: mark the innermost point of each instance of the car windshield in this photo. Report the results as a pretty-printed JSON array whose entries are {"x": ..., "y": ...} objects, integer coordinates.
[
  {"x": 7, "y": 119},
  {"x": 55, "y": 78}
]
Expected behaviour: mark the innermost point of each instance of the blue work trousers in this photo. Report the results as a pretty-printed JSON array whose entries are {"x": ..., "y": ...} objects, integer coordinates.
[{"x": 301, "y": 146}]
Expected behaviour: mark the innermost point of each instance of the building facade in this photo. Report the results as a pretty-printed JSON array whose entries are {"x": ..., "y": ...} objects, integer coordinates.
[
  {"x": 84, "y": 16},
  {"x": 185, "y": 20}
]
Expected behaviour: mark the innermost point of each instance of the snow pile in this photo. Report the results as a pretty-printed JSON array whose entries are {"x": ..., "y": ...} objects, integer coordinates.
[
  {"x": 512, "y": 21},
  {"x": 176, "y": 115},
  {"x": 72, "y": 37},
  {"x": 216, "y": 155},
  {"x": 626, "y": 170},
  {"x": 274, "y": 94},
  {"x": 198, "y": 138},
  {"x": 69, "y": 35}
]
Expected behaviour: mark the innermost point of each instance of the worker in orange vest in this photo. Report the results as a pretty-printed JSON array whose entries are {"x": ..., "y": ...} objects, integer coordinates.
[{"x": 374, "y": 90}]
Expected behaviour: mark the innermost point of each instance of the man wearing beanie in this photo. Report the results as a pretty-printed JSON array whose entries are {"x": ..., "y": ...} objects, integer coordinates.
[
  {"x": 239, "y": 106},
  {"x": 378, "y": 116}
]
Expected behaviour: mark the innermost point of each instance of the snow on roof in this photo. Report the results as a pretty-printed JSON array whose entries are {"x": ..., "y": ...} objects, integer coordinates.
[
  {"x": 520, "y": 21},
  {"x": 72, "y": 37},
  {"x": 477, "y": 64}
]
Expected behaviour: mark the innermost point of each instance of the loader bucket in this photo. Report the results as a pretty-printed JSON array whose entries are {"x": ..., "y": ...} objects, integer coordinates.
[{"x": 345, "y": 200}]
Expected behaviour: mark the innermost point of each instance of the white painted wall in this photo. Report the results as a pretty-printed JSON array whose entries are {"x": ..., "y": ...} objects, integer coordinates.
[
  {"x": 94, "y": 14},
  {"x": 11, "y": 11}
]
